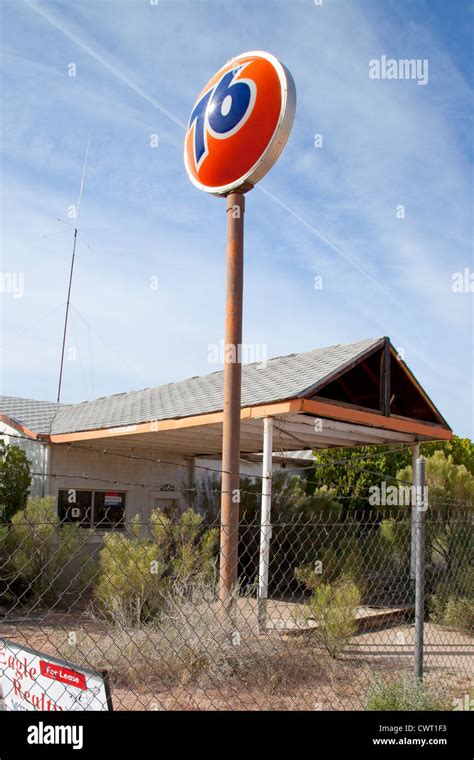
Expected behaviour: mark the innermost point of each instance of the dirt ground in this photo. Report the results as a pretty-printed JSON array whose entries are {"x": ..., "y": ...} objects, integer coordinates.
[{"x": 291, "y": 674}]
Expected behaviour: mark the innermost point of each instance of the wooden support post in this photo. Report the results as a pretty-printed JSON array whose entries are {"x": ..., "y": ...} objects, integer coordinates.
[{"x": 265, "y": 522}]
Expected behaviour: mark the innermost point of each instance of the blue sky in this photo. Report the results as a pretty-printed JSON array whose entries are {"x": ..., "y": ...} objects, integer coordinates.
[{"x": 327, "y": 211}]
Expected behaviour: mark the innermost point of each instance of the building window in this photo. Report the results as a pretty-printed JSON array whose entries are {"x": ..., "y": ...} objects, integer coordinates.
[
  {"x": 103, "y": 510},
  {"x": 109, "y": 509},
  {"x": 75, "y": 506}
]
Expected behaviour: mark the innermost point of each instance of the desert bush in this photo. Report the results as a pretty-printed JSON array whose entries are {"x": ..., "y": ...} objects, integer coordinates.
[
  {"x": 200, "y": 634},
  {"x": 459, "y": 614},
  {"x": 193, "y": 638},
  {"x": 130, "y": 581},
  {"x": 195, "y": 641},
  {"x": 395, "y": 543},
  {"x": 454, "y": 612},
  {"x": 308, "y": 577},
  {"x": 44, "y": 552},
  {"x": 333, "y": 607},
  {"x": 452, "y": 603},
  {"x": 137, "y": 571},
  {"x": 193, "y": 550},
  {"x": 339, "y": 556},
  {"x": 405, "y": 693}
]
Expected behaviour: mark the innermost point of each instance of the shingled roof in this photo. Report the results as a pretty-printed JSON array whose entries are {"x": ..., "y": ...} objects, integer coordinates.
[
  {"x": 278, "y": 379},
  {"x": 35, "y": 415}
]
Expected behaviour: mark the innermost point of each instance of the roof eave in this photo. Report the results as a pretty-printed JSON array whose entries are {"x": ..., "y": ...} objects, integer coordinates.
[{"x": 19, "y": 427}]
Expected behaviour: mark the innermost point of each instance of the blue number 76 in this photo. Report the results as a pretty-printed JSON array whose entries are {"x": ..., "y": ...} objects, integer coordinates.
[{"x": 222, "y": 110}]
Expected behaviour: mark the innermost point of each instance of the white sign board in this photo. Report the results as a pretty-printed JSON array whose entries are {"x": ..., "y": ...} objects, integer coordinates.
[{"x": 30, "y": 680}]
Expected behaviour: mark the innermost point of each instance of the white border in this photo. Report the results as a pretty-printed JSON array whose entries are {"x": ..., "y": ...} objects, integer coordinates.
[{"x": 277, "y": 141}]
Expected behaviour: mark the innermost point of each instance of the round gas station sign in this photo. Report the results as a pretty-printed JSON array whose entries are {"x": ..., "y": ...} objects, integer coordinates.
[{"x": 239, "y": 124}]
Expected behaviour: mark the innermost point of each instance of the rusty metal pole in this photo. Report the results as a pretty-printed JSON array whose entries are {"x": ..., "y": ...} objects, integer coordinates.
[{"x": 230, "y": 493}]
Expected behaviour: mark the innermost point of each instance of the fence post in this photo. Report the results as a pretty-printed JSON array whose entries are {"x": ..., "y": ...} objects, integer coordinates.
[
  {"x": 265, "y": 522},
  {"x": 414, "y": 456},
  {"x": 420, "y": 513}
]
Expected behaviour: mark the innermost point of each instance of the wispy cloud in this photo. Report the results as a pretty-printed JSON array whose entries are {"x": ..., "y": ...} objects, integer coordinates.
[
  {"x": 107, "y": 61},
  {"x": 328, "y": 211}
]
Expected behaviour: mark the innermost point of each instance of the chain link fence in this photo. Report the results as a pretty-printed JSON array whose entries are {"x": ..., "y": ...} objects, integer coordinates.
[{"x": 141, "y": 601}]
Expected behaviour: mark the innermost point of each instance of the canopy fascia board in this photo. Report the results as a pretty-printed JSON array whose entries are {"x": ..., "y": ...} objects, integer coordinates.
[
  {"x": 305, "y": 406},
  {"x": 373, "y": 419}
]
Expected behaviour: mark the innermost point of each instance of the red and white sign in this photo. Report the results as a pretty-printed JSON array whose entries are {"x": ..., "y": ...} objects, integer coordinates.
[
  {"x": 63, "y": 674},
  {"x": 31, "y": 680},
  {"x": 240, "y": 123},
  {"x": 113, "y": 499}
]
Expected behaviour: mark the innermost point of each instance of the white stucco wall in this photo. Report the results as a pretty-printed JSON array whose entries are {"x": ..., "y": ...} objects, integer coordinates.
[
  {"x": 142, "y": 481},
  {"x": 146, "y": 484}
]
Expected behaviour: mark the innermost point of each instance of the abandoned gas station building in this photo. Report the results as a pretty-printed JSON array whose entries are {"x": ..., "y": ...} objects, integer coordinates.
[{"x": 128, "y": 453}]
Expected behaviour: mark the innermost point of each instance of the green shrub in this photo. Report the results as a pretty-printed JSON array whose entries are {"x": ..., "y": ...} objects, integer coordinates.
[
  {"x": 44, "y": 552},
  {"x": 297, "y": 516},
  {"x": 404, "y": 693},
  {"x": 437, "y": 607},
  {"x": 456, "y": 612},
  {"x": 333, "y": 607},
  {"x": 193, "y": 551},
  {"x": 395, "y": 543},
  {"x": 340, "y": 559},
  {"x": 308, "y": 577},
  {"x": 136, "y": 572},
  {"x": 130, "y": 583},
  {"x": 452, "y": 604},
  {"x": 15, "y": 480},
  {"x": 459, "y": 614}
]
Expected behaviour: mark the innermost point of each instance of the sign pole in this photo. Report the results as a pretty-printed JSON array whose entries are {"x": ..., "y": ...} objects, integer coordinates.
[
  {"x": 230, "y": 496},
  {"x": 238, "y": 127}
]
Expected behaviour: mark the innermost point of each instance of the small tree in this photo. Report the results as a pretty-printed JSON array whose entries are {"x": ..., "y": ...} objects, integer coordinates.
[
  {"x": 352, "y": 480},
  {"x": 333, "y": 607},
  {"x": 450, "y": 488},
  {"x": 15, "y": 479},
  {"x": 447, "y": 481}
]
